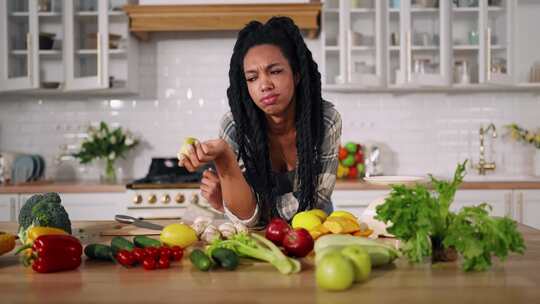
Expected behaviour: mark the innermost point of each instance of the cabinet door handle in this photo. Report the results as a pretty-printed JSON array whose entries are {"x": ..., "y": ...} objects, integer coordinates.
[
  {"x": 409, "y": 57},
  {"x": 488, "y": 55},
  {"x": 520, "y": 206},
  {"x": 12, "y": 209},
  {"x": 508, "y": 205},
  {"x": 98, "y": 46},
  {"x": 29, "y": 56}
]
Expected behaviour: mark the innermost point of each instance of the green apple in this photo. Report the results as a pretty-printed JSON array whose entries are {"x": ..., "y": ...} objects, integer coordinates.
[
  {"x": 361, "y": 260},
  {"x": 334, "y": 272},
  {"x": 348, "y": 161},
  {"x": 351, "y": 147}
]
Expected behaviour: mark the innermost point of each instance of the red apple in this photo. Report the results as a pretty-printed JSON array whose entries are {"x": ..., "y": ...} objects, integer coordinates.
[
  {"x": 298, "y": 243},
  {"x": 359, "y": 157},
  {"x": 276, "y": 230}
]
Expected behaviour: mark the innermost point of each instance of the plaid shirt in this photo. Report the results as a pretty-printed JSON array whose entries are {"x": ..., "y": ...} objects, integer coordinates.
[{"x": 288, "y": 203}]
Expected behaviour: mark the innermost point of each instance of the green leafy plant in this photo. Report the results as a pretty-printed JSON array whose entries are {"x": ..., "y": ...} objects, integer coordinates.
[
  {"x": 422, "y": 219},
  {"x": 520, "y": 134},
  {"x": 107, "y": 144}
]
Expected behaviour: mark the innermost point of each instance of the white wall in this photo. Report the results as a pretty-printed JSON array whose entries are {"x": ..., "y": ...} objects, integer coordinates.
[{"x": 420, "y": 133}]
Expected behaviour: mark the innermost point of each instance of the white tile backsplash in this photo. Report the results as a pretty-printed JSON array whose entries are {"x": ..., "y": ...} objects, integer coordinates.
[{"x": 184, "y": 78}]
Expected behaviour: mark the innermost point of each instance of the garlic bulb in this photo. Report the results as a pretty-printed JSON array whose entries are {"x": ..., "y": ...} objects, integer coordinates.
[
  {"x": 227, "y": 229},
  {"x": 210, "y": 234},
  {"x": 240, "y": 228},
  {"x": 199, "y": 228},
  {"x": 203, "y": 219}
]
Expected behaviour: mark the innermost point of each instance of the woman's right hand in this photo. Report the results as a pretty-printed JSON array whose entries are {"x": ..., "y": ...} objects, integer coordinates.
[{"x": 201, "y": 153}]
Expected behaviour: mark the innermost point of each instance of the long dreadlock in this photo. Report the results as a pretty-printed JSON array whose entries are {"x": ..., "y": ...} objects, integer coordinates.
[{"x": 251, "y": 127}]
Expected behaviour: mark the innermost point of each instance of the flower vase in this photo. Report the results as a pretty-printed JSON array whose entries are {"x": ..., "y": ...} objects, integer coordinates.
[
  {"x": 110, "y": 172},
  {"x": 536, "y": 162}
]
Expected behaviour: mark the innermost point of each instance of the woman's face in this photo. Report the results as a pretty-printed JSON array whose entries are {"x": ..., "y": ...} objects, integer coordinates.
[{"x": 270, "y": 78}]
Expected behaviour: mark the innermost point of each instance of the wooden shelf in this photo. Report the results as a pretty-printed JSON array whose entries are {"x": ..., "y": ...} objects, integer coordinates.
[
  {"x": 145, "y": 19},
  {"x": 19, "y": 14}
]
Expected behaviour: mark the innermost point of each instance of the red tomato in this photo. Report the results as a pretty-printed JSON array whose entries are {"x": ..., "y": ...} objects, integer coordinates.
[
  {"x": 177, "y": 253},
  {"x": 163, "y": 262},
  {"x": 165, "y": 252},
  {"x": 149, "y": 263},
  {"x": 152, "y": 252},
  {"x": 139, "y": 254},
  {"x": 125, "y": 258},
  {"x": 342, "y": 153}
]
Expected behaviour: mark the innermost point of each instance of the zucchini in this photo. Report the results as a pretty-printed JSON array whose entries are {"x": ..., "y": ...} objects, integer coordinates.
[
  {"x": 98, "y": 252},
  {"x": 119, "y": 243},
  {"x": 200, "y": 260},
  {"x": 142, "y": 241},
  {"x": 226, "y": 258}
]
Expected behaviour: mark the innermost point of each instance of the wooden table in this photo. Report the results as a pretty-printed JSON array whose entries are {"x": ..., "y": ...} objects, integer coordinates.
[{"x": 517, "y": 281}]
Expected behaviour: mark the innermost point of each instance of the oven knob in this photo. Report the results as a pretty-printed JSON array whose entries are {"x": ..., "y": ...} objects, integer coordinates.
[
  {"x": 195, "y": 198},
  {"x": 138, "y": 199},
  {"x": 166, "y": 199},
  {"x": 152, "y": 199},
  {"x": 180, "y": 198}
]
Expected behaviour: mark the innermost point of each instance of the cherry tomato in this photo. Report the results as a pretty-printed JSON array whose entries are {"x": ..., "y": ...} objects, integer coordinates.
[
  {"x": 125, "y": 258},
  {"x": 149, "y": 263},
  {"x": 177, "y": 253},
  {"x": 165, "y": 252},
  {"x": 152, "y": 252},
  {"x": 163, "y": 262},
  {"x": 139, "y": 254}
]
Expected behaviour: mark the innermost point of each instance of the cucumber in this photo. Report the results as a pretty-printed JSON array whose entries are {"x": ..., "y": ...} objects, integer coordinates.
[
  {"x": 142, "y": 241},
  {"x": 226, "y": 258},
  {"x": 119, "y": 243},
  {"x": 200, "y": 260},
  {"x": 98, "y": 252}
]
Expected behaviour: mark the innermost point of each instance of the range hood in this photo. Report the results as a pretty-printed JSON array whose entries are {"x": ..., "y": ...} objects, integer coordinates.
[{"x": 145, "y": 19}]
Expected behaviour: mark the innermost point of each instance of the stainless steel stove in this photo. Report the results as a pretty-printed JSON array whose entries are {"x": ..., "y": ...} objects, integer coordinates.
[{"x": 166, "y": 191}]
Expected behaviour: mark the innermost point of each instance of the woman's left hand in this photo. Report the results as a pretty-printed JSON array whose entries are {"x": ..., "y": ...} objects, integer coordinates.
[{"x": 202, "y": 153}]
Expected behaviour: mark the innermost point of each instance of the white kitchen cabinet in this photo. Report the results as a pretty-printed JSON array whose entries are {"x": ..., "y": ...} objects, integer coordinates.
[
  {"x": 424, "y": 43},
  {"x": 19, "y": 45},
  {"x": 356, "y": 201},
  {"x": 90, "y": 206},
  {"x": 527, "y": 207},
  {"x": 353, "y": 43},
  {"x": 90, "y": 48},
  {"x": 9, "y": 204},
  {"x": 499, "y": 200}
]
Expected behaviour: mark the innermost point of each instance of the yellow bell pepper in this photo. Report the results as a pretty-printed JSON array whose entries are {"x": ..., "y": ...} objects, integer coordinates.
[
  {"x": 35, "y": 232},
  {"x": 7, "y": 242}
]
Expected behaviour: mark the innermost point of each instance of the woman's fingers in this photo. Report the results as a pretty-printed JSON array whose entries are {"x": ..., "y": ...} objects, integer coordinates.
[{"x": 211, "y": 175}]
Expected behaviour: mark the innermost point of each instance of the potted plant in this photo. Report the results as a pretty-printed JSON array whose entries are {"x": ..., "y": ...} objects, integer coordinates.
[
  {"x": 106, "y": 144},
  {"x": 523, "y": 135}
]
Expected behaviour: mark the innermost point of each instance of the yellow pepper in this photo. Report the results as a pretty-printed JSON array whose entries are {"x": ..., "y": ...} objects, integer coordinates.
[
  {"x": 33, "y": 233},
  {"x": 7, "y": 242}
]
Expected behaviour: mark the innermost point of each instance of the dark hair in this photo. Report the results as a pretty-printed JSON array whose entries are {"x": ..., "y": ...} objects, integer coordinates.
[{"x": 250, "y": 122}]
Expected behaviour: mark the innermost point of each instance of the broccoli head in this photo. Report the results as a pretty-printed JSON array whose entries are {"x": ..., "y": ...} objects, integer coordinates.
[{"x": 43, "y": 210}]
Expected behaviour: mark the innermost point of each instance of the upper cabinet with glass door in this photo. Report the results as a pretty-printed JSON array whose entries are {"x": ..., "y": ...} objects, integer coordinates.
[
  {"x": 18, "y": 36},
  {"x": 352, "y": 43},
  {"x": 425, "y": 44}
]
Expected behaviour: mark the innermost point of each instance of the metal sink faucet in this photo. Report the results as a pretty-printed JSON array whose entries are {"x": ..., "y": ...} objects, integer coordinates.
[{"x": 484, "y": 166}]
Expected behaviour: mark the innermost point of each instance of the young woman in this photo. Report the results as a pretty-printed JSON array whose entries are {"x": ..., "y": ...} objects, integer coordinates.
[{"x": 277, "y": 149}]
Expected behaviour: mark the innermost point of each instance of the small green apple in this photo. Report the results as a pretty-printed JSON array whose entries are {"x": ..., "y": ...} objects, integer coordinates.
[
  {"x": 334, "y": 272},
  {"x": 348, "y": 161},
  {"x": 361, "y": 260},
  {"x": 351, "y": 147}
]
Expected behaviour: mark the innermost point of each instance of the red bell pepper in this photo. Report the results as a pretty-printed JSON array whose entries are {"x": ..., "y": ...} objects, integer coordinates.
[{"x": 52, "y": 253}]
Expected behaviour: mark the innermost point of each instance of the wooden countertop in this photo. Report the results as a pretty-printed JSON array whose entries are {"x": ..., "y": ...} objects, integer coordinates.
[
  {"x": 516, "y": 281},
  {"x": 90, "y": 187}
]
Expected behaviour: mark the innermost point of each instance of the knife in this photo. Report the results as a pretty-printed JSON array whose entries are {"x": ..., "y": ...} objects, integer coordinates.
[{"x": 126, "y": 219}]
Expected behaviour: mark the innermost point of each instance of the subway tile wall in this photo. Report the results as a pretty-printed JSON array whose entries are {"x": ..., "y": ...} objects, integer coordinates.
[{"x": 184, "y": 77}]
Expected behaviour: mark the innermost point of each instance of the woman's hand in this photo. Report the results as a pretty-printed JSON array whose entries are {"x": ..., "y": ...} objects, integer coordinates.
[
  {"x": 202, "y": 153},
  {"x": 211, "y": 189}
]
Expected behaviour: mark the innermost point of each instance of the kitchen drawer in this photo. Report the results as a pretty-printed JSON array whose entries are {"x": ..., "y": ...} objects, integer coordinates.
[{"x": 9, "y": 208}]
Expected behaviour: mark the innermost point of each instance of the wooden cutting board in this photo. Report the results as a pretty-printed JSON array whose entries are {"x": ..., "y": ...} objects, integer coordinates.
[{"x": 128, "y": 230}]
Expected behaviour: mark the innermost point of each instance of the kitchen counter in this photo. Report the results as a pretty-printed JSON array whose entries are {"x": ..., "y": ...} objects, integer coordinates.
[
  {"x": 516, "y": 281},
  {"x": 89, "y": 187}
]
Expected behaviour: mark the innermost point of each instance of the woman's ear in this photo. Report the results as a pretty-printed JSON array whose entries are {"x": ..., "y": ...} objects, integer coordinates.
[{"x": 296, "y": 79}]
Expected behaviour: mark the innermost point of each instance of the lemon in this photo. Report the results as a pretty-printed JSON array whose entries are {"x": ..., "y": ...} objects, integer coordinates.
[
  {"x": 343, "y": 213},
  {"x": 306, "y": 220},
  {"x": 320, "y": 213},
  {"x": 178, "y": 235}
]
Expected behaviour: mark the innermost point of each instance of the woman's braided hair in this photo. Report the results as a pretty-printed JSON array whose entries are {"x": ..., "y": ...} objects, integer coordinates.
[{"x": 250, "y": 122}]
